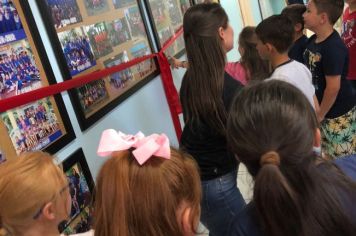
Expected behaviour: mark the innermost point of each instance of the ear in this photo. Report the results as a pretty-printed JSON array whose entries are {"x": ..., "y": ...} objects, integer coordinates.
[
  {"x": 186, "y": 222},
  {"x": 222, "y": 33},
  {"x": 324, "y": 18},
  {"x": 298, "y": 27},
  {"x": 317, "y": 138},
  {"x": 269, "y": 47},
  {"x": 48, "y": 211}
]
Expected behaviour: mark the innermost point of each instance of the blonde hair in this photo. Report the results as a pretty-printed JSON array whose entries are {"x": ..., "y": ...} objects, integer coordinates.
[
  {"x": 26, "y": 184},
  {"x": 134, "y": 200}
]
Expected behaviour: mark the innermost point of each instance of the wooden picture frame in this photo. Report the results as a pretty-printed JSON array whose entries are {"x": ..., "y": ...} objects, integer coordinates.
[
  {"x": 24, "y": 66},
  {"x": 81, "y": 187},
  {"x": 91, "y": 35},
  {"x": 166, "y": 18}
]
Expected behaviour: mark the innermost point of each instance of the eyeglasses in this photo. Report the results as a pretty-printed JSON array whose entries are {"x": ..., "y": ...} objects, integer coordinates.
[{"x": 39, "y": 212}]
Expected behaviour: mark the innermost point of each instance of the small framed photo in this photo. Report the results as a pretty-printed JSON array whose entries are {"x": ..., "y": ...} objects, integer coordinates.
[
  {"x": 81, "y": 186},
  {"x": 88, "y": 36}
]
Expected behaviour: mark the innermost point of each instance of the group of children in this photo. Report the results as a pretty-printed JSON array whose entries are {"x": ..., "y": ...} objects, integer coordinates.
[{"x": 147, "y": 187}]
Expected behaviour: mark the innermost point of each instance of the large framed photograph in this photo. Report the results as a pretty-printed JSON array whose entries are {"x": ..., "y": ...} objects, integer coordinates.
[
  {"x": 24, "y": 66},
  {"x": 81, "y": 187},
  {"x": 91, "y": 35},
  {"x": 167, "y": 19}
]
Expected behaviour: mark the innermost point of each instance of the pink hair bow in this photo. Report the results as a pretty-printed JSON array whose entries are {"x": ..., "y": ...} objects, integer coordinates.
[{"x": 145, "y": 147}]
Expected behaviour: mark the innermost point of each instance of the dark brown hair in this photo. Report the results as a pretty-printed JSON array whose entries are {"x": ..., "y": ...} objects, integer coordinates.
[
  {"x": 333, "y": 8},
  {"x": 295, "y": 12},
  {"x": 202, "y": 85},
  {"x": 277, "y": 30},
  {"x": 293, "y": 195},
  {"x": 255, "y": 67},
  {"x": 135, "y": 200}
]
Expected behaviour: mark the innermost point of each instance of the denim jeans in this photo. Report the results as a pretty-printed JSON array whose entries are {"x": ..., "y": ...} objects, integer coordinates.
[{"x": 222, "y": 200}]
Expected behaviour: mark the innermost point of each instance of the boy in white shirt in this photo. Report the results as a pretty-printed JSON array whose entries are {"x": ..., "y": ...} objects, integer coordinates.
[{"x": 275, "y": 37}]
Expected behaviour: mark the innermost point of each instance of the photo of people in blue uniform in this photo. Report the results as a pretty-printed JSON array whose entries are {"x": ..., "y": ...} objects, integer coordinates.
[
  {"x": 33, "y": 126},
  {"x": 119, "y": 79},
  {"x": 77, "y": 50}
]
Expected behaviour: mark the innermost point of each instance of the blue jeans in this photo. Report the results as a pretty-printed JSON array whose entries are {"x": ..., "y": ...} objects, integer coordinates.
[{"x": 222, "y": 200}]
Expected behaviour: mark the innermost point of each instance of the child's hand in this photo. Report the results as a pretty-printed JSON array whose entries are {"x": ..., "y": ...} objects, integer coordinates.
[{"x": 174, "y": 62}]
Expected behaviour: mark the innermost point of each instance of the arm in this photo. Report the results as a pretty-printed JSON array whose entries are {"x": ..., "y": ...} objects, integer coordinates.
[
  {"x": 330, "y": 94},
  {"x": 177, "y": 63},
  {"x": 316, "y": 105}
]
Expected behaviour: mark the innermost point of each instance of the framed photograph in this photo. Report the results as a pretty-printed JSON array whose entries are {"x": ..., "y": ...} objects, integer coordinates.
[
  {"x": 24, "y": 66},
  {"x": 92, "y": 35},
  {"x": 167, "y": 19},
  {"x": 81, "y": 186}
]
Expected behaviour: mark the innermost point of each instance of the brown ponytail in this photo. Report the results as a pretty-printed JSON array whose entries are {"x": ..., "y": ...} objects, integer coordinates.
[
  {"x": 274, "y": 196},
  {"x": 292, "y": 195}
]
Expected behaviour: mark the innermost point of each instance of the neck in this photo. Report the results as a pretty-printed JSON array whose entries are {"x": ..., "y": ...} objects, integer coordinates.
[
  {"x": 323, "y": 33},
  {"x": 279, "y": 59},
  {"x": 352, "y": 7}
]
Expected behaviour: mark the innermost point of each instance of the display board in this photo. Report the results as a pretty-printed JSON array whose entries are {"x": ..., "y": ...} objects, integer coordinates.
[
  {"x": 24, "y": 66},
  {"x": 92, "y": 35}
]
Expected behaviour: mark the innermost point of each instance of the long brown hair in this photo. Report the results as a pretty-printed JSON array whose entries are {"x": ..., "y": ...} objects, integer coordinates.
[
  {"x": 134, "y": 200},
  {"x": 272, "y": 130},
  {"x": 202, "y": 85},
  {"x": 256, "y": 68}
]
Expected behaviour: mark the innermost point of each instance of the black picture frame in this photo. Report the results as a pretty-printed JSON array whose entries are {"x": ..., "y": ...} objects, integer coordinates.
[
  {"x": 85, "y": 120},
  {"x": 177, "y": 49},
  {"x": 81, "y": 186},
  {"x": 58, "y": 132}
]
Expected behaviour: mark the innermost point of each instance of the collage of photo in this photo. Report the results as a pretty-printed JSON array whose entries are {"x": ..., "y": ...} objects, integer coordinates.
[
  {"x": 33, "y": 126},
  {"x": 92, "y": 40}
]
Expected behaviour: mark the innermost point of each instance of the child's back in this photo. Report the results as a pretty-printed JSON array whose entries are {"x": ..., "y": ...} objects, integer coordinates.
[{"x": 298, "y": 75}]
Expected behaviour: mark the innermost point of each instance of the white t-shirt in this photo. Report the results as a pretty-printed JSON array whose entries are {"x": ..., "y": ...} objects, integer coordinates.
[
  {"x": 89, "y": 233},
  {"x": 297, "y": 74}
]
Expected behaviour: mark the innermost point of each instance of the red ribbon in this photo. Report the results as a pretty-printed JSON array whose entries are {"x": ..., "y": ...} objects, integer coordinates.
[{"x": 166, "y": 76}]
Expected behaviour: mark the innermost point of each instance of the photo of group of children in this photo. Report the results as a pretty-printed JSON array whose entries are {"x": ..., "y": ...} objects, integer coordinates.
[
  {"x": 99, "y": 39},
  {"x": 168, "y": 19},
  {"x": 33, "y": 126},
  {"x": 119, "y": 79},
  {"x": 96, "y": 7},
  {"x": 145, "y": 67},
  {"x": 118, "y": 31},
  {"x": 9, "y": 18},
  {"x": 137, "y": 27},
  {"x": 92, "y": 94},
  {"x": 18, "y": 71},
  {"x": 80, "y": 216},
  {"x": 64, "y": 12},
  {"x": 77, "y": 50}
]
